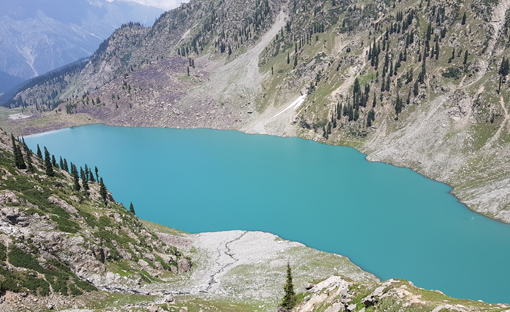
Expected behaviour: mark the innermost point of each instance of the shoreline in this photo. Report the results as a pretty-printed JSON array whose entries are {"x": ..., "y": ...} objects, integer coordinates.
[{"x": 451, "y": 192}]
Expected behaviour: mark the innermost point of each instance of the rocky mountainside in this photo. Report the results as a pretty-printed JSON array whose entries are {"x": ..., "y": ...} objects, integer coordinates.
[
  {"x": 64, "y": 236},
  {"x": 39, "y": 36},
  {"x": 421, "y": 84}
]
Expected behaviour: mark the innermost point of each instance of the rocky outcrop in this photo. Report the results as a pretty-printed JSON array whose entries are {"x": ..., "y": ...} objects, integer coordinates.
[
  {"x": 62, "y": 204},
  {"x": 337, "y": 294}
]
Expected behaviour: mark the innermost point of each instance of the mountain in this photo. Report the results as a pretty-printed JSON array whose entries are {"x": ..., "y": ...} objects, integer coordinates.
[
  {"x": 417, "y": 84},
  {"x": 39, "y": 36},
  {"x": 8, "y": 81}
]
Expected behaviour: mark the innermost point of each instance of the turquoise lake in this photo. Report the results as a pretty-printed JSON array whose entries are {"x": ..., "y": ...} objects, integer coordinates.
[{"x": 390, "y": 221}]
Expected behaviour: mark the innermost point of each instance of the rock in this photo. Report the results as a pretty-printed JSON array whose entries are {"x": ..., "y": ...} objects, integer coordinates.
[
  {"x": 62, "y": 204},
  {"x": 49, "y": 307},
  {"x": 13, "y": 216},
  {"x": 149, "y": 256},
  {"x": 373, "y": 298},
  {"x": 183, "y": 265},
  {"x": 143, "y": 263},
  {"x": 336, "y": 307},
  {"x": 124, "y": 254},
  {"x": 351, "y": 307},
  {"x": 8, "y": 197},
  {"x": 168, "y": 298}
]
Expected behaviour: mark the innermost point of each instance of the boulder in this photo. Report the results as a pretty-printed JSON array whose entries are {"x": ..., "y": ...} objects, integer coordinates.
[
  {"x": 8, "y": 197},
  {"x": 183, "y": 265},
  {"x": 168, "y": 298},
  {"x": 13, "y": 216}
]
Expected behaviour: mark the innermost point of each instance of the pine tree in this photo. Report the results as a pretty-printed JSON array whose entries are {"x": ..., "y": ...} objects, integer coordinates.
[
  {"x": 464, "y": 19},
  {"x": 39, "y": 154},
  {"x": 86, "y": 171},
  {"x": 54, "y": 161},
  {"x": 47, "y": 163},
  {"x": 91, "y": 176},
  {"x": 132, "y": 208},
  {"x": 97, "y": 175},
  {"x": 18, "y": 155},
  {"x": 415, "y": 89},
  {"x": 66, "y": 167},
  {"x": 465, "y": 57},
  {"x": 289, "y": 299},
  {"x": 288, "y": 59},
  {"x": 84, "y": 179},
  {"x": 77, "y": 185},
  {"x": 61, "y": 163},
  {"x": 31, "y": 167},
  {"x": 505, "y": 67},
  {"x": 102, "y": 190}
]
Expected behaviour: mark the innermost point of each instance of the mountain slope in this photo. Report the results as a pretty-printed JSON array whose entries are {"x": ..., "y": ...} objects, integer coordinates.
[
  {"x": 39, "y": 36},
  {"x": 412, "y": 83}
]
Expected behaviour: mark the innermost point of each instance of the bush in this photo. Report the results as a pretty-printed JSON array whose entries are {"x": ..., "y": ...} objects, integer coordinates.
[
  {"x": 3, "y": 255},
  {"x": 21, "y": 259},
  {"x": 84, "y": 285},
  {"x": 452, "y": 72},
  {"x": 75, "y": 291},
  {"x": 66, "y": 225}
]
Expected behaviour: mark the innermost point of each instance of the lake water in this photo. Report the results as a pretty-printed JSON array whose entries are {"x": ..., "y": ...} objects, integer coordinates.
[{"x": 390, "y": 221}]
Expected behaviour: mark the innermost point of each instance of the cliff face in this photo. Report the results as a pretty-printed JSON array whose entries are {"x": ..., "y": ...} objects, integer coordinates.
[{"x": 415, "y": 84}]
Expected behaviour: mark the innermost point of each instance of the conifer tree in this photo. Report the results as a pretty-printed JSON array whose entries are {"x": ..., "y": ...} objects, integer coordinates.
[
  {"x": 91, "y": 176},
  {"x": 97, "y": 175},
  {"x": 84, "y": 179},
  {"x": 288, "y": 59},
  {"x": 505, "y": 67},
  {"x": 464, "y": 19},
  {"x": 102, "y": 190},
  {"x": 47, "y": 163},
  {"x": 415, "y": 89},
  {"x": 39, "y": 154},
  {"x": 18, "y": 155},
  {"x": 31, "y": 167},
  {"x": 61, "y": 162},
  {"x": 54, "y": 161},
  {"x": 465, "y": 57},
  {"x": 77, "y": 185},
  {"x": 66, "y": 167},
  {"x": 289, "y": 299},
  {"x": 132, "y": 208}
]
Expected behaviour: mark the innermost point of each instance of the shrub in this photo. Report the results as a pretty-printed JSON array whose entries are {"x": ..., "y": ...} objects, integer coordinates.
[
  {"x": 19, "y": 258},
  {"x": 3, "y": 255}
]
